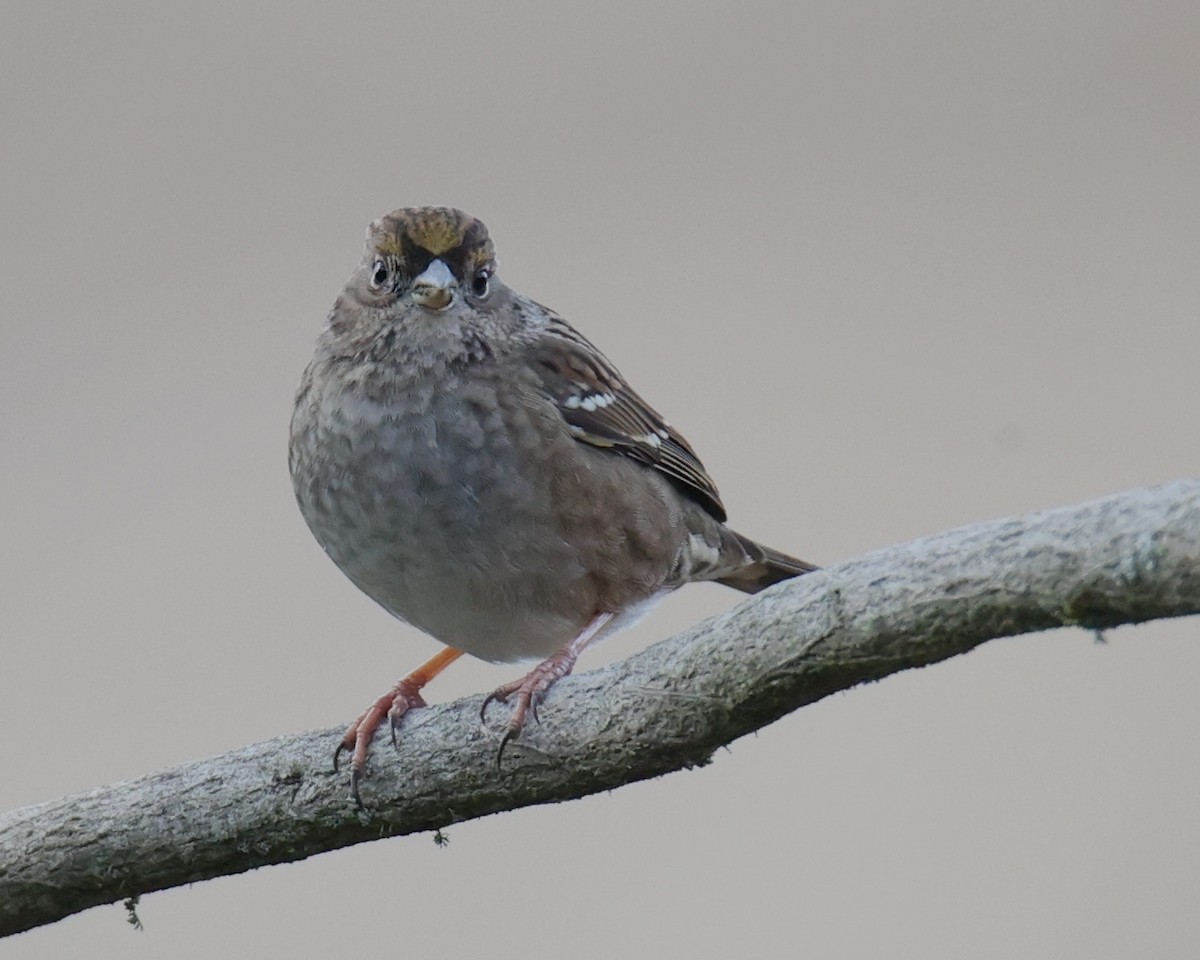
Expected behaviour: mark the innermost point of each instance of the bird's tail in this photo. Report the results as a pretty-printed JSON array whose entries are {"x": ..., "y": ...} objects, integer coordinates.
[{"x": 766, "y": 567}]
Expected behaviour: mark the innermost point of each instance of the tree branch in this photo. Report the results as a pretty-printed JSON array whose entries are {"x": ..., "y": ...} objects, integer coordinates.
[{"x": 1125, "y": 559}]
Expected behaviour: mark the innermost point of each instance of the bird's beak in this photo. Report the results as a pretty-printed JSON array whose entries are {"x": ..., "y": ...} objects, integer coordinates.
[{"x": 434, "y": 289}]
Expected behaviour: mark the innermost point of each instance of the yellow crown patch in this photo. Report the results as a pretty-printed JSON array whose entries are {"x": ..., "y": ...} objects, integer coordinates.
[{"x": 437, "y": 230}]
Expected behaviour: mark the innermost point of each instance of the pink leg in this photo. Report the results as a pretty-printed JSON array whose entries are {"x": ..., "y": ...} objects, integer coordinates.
[
  {"x": 531, "y": 689},
  {"x": 394, "y": 704}
]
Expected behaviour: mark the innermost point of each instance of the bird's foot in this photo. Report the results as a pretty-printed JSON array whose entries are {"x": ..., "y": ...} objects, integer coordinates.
[
  {"x": 531, "y": 689},
  {"x": 528, "y": 692},
  {"x": 404, "y": 696},
  {"x": 356, "y": 741}
]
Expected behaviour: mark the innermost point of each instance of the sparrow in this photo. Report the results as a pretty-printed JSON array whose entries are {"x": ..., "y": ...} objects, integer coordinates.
[{"x": 479, "y": 469}]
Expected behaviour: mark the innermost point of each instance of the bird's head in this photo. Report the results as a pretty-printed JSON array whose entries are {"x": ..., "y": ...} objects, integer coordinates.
[{"x": 431, "y": 258}]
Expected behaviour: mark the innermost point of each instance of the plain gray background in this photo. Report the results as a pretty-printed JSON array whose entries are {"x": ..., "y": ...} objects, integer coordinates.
[{"x": 892, "y": 268}]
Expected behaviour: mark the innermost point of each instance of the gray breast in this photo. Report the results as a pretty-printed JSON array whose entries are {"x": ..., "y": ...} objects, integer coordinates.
[{"x": 426, "y": 501}]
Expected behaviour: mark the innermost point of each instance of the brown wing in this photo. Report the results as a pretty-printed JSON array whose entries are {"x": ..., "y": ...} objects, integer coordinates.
[{"x": 601, "y": 409}]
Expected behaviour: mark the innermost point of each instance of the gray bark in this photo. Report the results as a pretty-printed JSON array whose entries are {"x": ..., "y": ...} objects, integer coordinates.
[{"x": 1126, "y": 559}]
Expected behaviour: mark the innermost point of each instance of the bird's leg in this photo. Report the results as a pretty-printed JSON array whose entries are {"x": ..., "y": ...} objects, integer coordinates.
[
  {"x": 394, "y": 704},
  {"x": 531, "y": 689}
]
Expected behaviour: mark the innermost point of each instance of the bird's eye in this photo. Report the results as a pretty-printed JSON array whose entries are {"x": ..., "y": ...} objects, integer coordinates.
[
  {"x": 481, "y": 282},
  {"x": 379, "y": 274}
]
